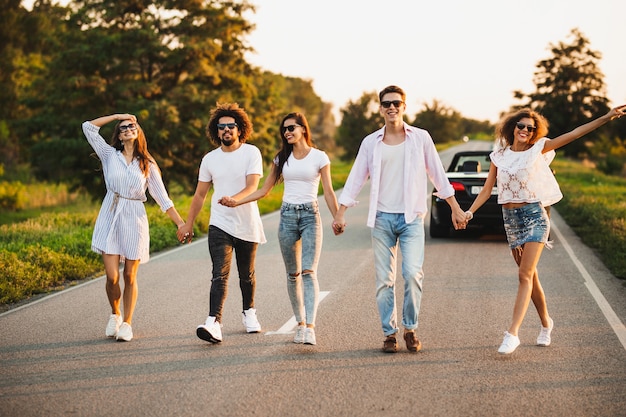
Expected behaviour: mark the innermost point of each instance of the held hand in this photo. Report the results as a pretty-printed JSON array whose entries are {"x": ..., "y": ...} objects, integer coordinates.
[
  {"x": 227, "y": 201},
  {"x": 338, "y": 228},
  {"x": 459, "y": 219},
  {"x": 339, "y": 225},
  {"x": 184, "y": 234}
]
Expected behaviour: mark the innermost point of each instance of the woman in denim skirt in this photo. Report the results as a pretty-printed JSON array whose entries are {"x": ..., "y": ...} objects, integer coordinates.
[
  {"x": 526, "y": 186},
  {"x": 301, "y": 166}
]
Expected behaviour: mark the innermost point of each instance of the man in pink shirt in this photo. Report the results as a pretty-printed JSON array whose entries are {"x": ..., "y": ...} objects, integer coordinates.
[{"x": 398, "y": 158}]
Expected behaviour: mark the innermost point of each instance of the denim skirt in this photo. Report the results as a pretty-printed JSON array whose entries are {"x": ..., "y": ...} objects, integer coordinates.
[{"x": 529, "y": 223}]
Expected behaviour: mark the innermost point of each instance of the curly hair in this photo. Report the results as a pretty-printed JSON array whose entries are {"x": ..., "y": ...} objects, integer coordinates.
[
  {"x": 229, "y": 110},
  {"x": 505, "y": 130},
  {"x": 287, "y": 148},
  {"x": 141, "y": 147}
]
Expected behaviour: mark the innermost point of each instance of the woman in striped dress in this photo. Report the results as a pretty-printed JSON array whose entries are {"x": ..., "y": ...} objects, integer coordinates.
[{"x": 121, "y": 232}]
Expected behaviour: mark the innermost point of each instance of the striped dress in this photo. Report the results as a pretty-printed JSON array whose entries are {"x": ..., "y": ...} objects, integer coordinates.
[{"x": 122, "y": 224}]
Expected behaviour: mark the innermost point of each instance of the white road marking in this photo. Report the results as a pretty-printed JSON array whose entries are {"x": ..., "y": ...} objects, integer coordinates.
[
  {"x": 291, "y": 324},
  {"x": 617, "y": 326}
]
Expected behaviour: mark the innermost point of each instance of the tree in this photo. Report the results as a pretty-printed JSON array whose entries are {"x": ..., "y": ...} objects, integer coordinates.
[
  {"x": 167, "y": 62},
  {"x": 442, "y": 122},
  {"x": 359, "y": 119},
  {"x": 570, "y": 89},
  {"x": 24, "y": 54}
]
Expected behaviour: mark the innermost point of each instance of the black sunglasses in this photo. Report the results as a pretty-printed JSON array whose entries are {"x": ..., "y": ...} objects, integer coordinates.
[
  {"x": 222, "y": 126},
  {"x": 131, "y": 126},
  {"x": 522, "y": 126},
  {"x": 290, "y": 128},
  {"x": 396, "y": 103}
]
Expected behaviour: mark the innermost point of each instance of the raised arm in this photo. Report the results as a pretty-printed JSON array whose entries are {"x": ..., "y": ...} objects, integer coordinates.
[
  {"x": 101, "y": 121},
  {"x": 564, "y": 139}
]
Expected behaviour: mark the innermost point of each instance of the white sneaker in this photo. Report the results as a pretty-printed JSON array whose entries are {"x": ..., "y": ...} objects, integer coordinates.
[
  {"x": 544, "y": 335},
  {"x": 509, "y": 344},
  {"x": 248, "y": 318},
  {"x": 211, "y": 330},
  {"x": 125, "y": 333},
  {"x": 113, "y": 326},
  {"x": 299, "y": 337},
  {"x": 309, "y": 336}
]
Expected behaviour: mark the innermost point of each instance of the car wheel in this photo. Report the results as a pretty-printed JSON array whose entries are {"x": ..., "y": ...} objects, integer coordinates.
[{"x": 438, "y": 230}]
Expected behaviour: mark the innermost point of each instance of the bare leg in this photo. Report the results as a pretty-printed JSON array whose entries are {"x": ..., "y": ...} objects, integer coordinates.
[
  {"x": 130, "y": 289},
  {"x": 114, "y": 293},
  {"x": 539, "y": 300},
  {"x": 527, "y": 259}
]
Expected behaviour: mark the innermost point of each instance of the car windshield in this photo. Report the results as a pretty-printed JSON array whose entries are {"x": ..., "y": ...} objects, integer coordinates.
[{"x": 471, "y": 163}]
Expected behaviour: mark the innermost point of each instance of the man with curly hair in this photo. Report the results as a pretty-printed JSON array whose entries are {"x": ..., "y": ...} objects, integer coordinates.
[{"x": 234, "y": 168}]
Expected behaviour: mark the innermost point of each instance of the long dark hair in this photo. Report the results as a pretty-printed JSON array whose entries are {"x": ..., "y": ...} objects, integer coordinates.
[
  {"x": 287, "y": 148},
  {"x": 140, "y": 149}
]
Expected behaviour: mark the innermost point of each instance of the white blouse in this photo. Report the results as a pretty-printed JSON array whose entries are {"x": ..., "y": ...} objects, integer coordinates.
[
  {"x": 122, "y": 224},
  {"x": 526, "y": 177}
]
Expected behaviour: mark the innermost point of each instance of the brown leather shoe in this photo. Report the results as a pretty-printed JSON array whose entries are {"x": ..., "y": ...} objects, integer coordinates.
[
  {"x": 412, "y": 344},
  {"x": 390, "y": 345}
]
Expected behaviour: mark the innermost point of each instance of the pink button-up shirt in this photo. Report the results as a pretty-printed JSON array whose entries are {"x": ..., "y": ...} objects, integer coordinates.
[{"x": 421, "y": 159}]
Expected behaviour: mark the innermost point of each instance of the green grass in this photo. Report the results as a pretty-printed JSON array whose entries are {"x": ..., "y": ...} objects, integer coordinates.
[
  {"x": 44, "y": 249},
  {"x": 594, "y": 206}
]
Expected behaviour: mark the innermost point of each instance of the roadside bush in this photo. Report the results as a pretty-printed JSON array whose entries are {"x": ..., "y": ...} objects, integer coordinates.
[
  {"x": 12, "y": 196},
  {"x": 37, "y": 269}
]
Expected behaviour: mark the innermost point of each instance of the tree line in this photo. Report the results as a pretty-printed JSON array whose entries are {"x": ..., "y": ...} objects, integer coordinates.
[{"x": 170, "y": 62}]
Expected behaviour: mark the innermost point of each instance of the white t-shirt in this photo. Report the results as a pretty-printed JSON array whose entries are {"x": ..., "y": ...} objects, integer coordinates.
[
  {"x": 302, "y": 176},
  {"x": 228, "y": 171},
  {"x": 391, "y": 197}
]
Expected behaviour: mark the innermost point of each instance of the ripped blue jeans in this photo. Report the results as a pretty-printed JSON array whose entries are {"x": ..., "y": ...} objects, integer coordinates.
[{"x": 300, "y": 238}]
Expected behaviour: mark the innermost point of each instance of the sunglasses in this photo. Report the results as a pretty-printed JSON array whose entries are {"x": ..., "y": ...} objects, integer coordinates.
[
  {"x": 290, "y": 128},
  {"x": 396, "y": 103},
  {"x": 222, "y": 126},
  {"x": 522, "y": 126},
  {"x": 130, "y": 126}
]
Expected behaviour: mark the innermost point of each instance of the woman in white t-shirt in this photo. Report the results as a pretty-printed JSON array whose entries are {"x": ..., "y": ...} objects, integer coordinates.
[
  {"x": 301, "y": 166},
  {"x": 526, "y": 185}
]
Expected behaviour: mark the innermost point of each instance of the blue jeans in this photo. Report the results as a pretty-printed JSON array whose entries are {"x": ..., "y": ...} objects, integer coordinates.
[
  {"x": 221, "y": 245},
  {"x": 389, "y": 232},
  {"x": 300, "y": 237}
]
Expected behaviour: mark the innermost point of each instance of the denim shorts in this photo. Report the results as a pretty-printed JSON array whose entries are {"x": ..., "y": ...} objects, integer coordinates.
[{"x": 529, "y": 223}]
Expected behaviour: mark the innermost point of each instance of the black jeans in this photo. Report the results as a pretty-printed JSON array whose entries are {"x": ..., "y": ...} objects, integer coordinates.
[{"x": 221, "y": 246}]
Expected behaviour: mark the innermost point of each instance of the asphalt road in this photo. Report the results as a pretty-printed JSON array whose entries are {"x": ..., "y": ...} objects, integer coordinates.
[{"x": 55, "y": 360}]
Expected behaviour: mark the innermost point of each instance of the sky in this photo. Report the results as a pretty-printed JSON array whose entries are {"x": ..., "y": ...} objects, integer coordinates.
[{"x": 468, "y": 55}]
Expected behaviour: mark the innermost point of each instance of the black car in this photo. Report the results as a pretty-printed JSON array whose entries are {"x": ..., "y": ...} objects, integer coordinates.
[{"x": 467, "y": 174}]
